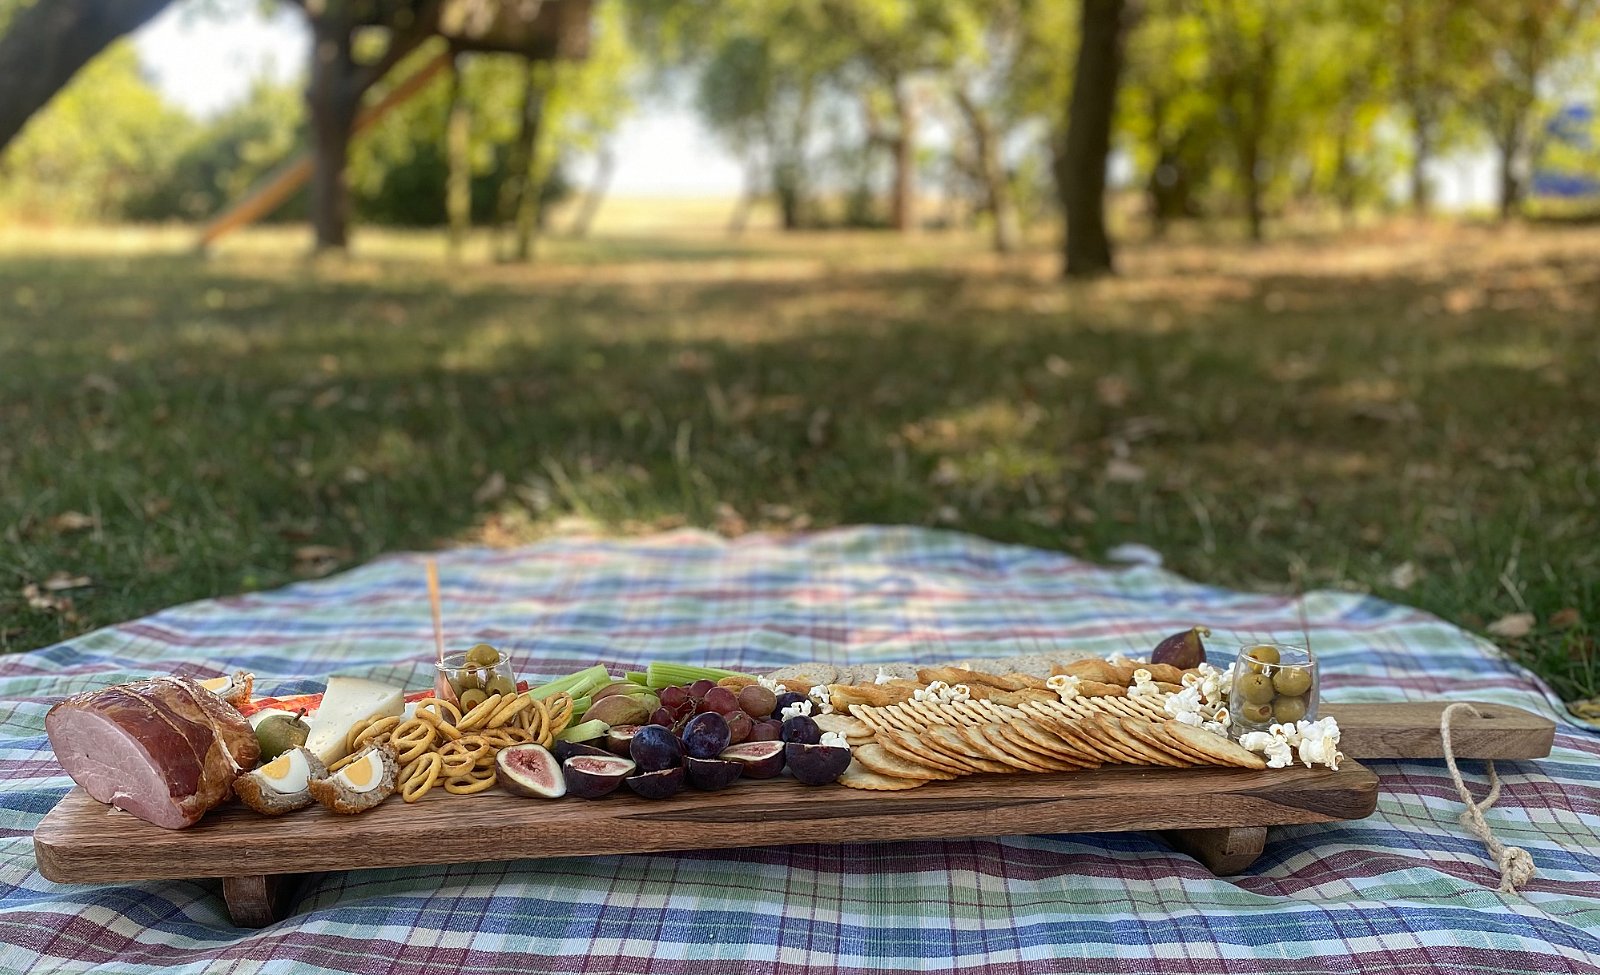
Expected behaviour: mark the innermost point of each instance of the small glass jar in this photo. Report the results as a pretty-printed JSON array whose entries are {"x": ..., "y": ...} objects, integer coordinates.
[
  {"x": 1273, "y": 683},
  {"x": 466, "y": 678}
]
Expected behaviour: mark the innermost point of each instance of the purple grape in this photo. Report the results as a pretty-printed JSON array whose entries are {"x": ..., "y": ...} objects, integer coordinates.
[
  {"x": 722, "y": 701},
  {"x": 768, "y": 730},
  {"x": 757, "y": 701},
  {"x": 662, "y": 717},
  {"x": 700, "y": 688},
  {"x": 706, "y": 735},
  {"x": 673, "y": 696},
  {"x": 740, "y": 725}
]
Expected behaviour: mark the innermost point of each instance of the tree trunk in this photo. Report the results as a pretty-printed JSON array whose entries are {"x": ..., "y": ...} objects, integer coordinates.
[
  {"x": 996, "y": 187},
  {"x": 458, "y": 149},
  {"x": 1421, "y": 152},
  {"x": 48, "y": 41},
  {"x": 584, "y": 220},
  {"x": 333, "y": 98},
  {"x": 518, "y": 195},
  {"x": 1081, "y": 159},
  {"x": 903, "y": 208},
  {"x": 1510, "y": 195}
]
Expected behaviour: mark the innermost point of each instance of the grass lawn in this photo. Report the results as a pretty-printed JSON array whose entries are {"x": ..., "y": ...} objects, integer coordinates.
[{"x": 1411, "y": 412}]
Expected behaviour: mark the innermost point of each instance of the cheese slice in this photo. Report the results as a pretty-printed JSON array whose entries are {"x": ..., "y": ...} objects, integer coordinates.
[{"x": 347, "y": 701}]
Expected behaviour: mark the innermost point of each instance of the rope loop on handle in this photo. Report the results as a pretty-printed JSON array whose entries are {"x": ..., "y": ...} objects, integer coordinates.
[{"x": 1514, "y": 863}]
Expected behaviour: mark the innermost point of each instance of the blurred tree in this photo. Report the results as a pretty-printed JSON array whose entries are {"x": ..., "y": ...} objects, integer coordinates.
[
  {"x": 1174, "y": 130},
  {"x": 43, "y": 43},
  {"x": 1517, "y": 48},
  {"x": 1429, "y": 46},
  {"x": 989, "y": 44},
  {"x": 107, "y": 140},
  {"x": 1083, "y": 154}
]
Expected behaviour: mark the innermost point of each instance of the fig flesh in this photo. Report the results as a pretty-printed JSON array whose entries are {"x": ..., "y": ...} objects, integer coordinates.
[
  {"x": 620, "y": 737},
  {"x": 761, "y": 759},
  {"x": 712, "y": 774},
  {"x": 564, "y": 750},
  {"x": 592, "y": 776},
  {"x": 529, "y": 770}
]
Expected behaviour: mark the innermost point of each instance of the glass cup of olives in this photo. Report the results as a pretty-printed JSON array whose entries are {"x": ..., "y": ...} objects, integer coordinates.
[
  {"x": 1273, "y": 683},
  {"x": 468, "y": 678}
]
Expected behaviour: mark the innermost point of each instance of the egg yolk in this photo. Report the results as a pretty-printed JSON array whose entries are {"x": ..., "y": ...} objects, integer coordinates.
[
  {"x": 277, "y": 768},
  {"x": 360, "y": 773}
]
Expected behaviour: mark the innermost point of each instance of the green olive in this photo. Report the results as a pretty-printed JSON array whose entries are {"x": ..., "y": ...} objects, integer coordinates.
[
  {"x": 1257, "y": 713},
  {"x": 483, "y": 655},
  {"x": 467, "y": 680},
  {"x": 501, "y": 684},
  {"x": 1255, "y": 688},
  {"x": 1292, "y": 681},
  {"x": 471, "y": 699},
  {"x": 1263, "y": 654},
  {"x": 1289, "y": 709}
]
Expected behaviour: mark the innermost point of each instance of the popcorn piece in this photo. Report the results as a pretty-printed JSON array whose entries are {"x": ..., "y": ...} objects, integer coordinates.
[
  {"x": 796, "y": 710},
  {"x": 770, "y": 684},
  {"x": 1317, "y": 743},
  {"x": 882, "y": 677},
  {"x": 943, "y": 693},
  {"x": 1065, "y": 686},
  {"x": 1144, "y": 685},
  {"x": 834, "y": 739},
  {"x": 819, "y": 694}
]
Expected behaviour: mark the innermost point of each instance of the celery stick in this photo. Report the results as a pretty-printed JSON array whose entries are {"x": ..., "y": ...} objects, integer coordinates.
[
  {"x": 666, "y": 674},
  {"x": 638, "y": 677},
  {"x": 591, "y": 675},
  {"x": 584, "y": 731}
]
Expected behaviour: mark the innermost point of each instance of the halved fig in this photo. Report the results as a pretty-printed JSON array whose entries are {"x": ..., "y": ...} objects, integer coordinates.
[
  {"x": 564, "y": 750},
  {"x": 620, "y": 737},
  {"x": 529, "y": 770},
  {"x": 801, "y": 729},
  {"x": 761, "y": 759},
  {"x": 664, "y": 784},
  {"x": 592, "y": 776},
  {"x": 712, "y": 774},
  {"x": 816, "y": 764}
]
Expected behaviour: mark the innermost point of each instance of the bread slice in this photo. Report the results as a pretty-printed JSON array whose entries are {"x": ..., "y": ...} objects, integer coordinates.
[{"x": 335, "y": 792}]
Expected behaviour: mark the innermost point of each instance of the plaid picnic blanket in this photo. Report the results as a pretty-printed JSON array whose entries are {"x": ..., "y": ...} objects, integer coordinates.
[{"x": 1405, "y": 891}]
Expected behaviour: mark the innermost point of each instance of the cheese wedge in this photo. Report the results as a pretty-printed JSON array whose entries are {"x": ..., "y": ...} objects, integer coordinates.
[{"x": 347, "y": 701}]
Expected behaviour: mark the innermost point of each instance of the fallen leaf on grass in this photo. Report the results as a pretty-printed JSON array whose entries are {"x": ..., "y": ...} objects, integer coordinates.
[
  {"x": 493, "y": 487},
  {"x": 72, "y": 521},
  {"x": 38, "y": 598},
  {"x": 1512, "y": 627},
  {"x": 65, "y": 580},
  {"x": 1404, "y": 575},
  {"x": 1566, "y": 619},
  {"x": 318, "y": 560},
  {"x": 1119, "y": 471},
  {"x": 1112, "y": 391}
]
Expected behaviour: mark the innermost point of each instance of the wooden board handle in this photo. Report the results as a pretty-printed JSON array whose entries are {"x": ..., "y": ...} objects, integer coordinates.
[{"x": 1410, "y": 729}]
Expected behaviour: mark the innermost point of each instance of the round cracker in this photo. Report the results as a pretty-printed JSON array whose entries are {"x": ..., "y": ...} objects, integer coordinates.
[
  {"x": 876, "y": 758},
  {"x": 859, "y": 777},
  {"x": 843, "y": 724},
  {"x": 1223, "y": 750}
]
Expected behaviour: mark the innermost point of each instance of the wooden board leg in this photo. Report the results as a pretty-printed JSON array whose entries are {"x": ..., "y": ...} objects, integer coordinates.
[
  {"x": 1224, "y": 851},
  {"x": 260, "y": 900}
]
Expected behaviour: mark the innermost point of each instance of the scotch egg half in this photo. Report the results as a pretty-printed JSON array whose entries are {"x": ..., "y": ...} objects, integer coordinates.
[
  {"x": 362, "y": 775},
  {"x": 287, "y": 774}
]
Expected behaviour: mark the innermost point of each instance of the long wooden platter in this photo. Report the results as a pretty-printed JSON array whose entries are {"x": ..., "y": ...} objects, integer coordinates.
[{"x": 1219, "y": 815}]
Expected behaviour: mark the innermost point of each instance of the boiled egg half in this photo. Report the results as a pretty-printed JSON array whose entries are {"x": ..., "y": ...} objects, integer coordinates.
[
  {"x": 286, "y": 774},
  {"x": 363, "y": 774}
]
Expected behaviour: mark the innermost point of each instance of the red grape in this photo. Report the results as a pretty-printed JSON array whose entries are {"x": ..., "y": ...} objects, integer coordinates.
[
  {"x": 722, "y": 701},
  {"x": 757, "y": 701},
  {"x": 739, "y": 727},
  {"x": 673, "y": 696},
  {"x": 700, "y": 688}
]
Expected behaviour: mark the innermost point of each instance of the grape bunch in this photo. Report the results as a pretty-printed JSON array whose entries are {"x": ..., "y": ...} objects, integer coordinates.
[{"x": 749, "y": 712}]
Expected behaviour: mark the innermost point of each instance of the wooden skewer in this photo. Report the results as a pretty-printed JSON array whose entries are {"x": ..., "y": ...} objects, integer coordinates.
[{"x": 433, "y": 603}]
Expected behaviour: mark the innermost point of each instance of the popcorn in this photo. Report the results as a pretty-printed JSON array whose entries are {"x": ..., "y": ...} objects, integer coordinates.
[
  {"x": 943, "y": 693},
  {"x": 834, "y": 739},
  {"x": 1119, "y": 659},
  {"x": 1144, "y": 685},
  {"x": 882, "y": 677},
  {"x": 1065, "y": 686},
  {"x": 771, "y": 684},
  {"x": 796, "y": 710},
  {"x": 1316, "y": 742},
  {"x": 819, "y": 694}
]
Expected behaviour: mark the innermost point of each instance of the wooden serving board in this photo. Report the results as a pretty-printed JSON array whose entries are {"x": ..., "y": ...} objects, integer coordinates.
[{"x": 1219, "y": 815}]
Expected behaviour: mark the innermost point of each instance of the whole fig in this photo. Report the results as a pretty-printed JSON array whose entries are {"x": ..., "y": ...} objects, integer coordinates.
[{"x": 1182, "y": 650}]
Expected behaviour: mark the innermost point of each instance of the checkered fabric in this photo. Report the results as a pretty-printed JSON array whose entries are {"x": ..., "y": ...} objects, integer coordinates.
[{"x": 1404, "y": 891}]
